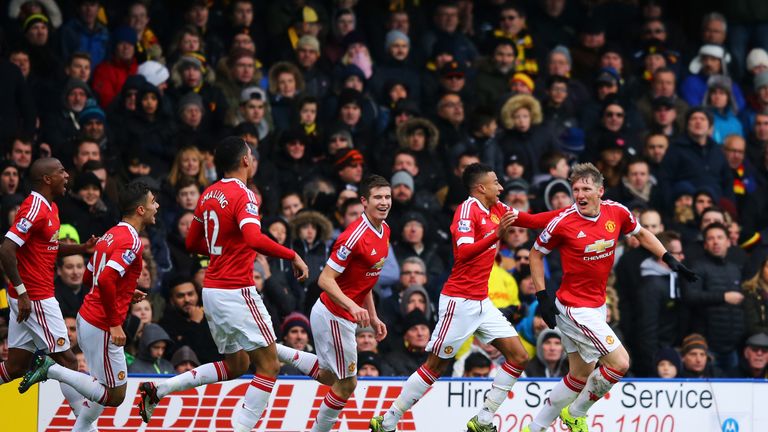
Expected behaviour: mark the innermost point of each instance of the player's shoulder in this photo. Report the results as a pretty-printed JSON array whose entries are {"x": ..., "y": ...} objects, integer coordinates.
[
  {"x": 355, "y": 231},
  {"x": 469, "y": 207},
  {"x": 562, "y": 218},
  {"x": 34, "y": 206},
  {"x": 614, "y": 206},
  {"x": 126, "y": 236}
]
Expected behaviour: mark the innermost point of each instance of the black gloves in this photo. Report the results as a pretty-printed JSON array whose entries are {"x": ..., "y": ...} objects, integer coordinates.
[
  {"x": 679, "y": 268},
  {"x": 547, "y": 308}
]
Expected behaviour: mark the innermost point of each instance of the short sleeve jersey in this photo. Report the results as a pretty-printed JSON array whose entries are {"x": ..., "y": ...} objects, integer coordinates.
[
  {"x": 359, "y": 255},
  {"x": 587, "y": 247},
  {"x": 36, "y": 231},
  {"x": 473, "y": 222},
  {"x": 120, "y": 249},
  {"x": 224, "y": 209}
]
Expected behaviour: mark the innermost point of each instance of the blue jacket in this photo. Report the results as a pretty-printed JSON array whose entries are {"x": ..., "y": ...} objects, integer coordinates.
[
  {"x": 75, "y": 36},
  {"x": 726, "y": 123},
  {"x": 694, "y": 87}
]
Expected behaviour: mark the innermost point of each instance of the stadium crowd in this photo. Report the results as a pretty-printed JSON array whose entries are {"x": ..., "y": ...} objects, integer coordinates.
[{"x": 669, "y": 101}]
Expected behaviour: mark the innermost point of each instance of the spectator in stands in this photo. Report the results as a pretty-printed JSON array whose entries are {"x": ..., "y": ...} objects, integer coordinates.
[
  {"x": 711, "y": 60},
  {"x": 311, "y": 231},
  {"x": 445, "y": 26},
  {"x": 664, "y": 84},
  {"x": 668, "y": 363},
  {"x": 368, "y": 364},
  {"x": 9, "y": 178},
  {"x": 524, "y": 134},
  {"x": 153, "y": 347},
  {"x": 421, "y": 139},
  {"x": 85, "y": 209},
  {"x": 61, "y": 126},
  {"x": 476, "y": 365},
  {"x": 317, "y": 81},
  {"x": 110, "y": 75},
  {"x": 38, "y": 40},
  {"x": 295, "y": 331},
  {"x": 664, "y": 118},
  {"x": 756, "y": 300},
  {"x": 715, "y": 298},
  {"x": 495, "y": 72},
  {"x": 151, "y": 128},
  {"x": 148, "y": 46},
  {"x": 184, "y": 359},
  {"x": 637, "y": 187},
  {"x": 397, "y": 65},
  {"x": 69, "y": 288},
  {"x": 759, "y": 101},
  {"x": 586, "y": 54},
  {"x": 411, "y": 352},
  {"x": 719, "y": 99},
  {"x": 754, "y": 362},
  {"x": 696, "y": 360},
  {"x": 450, "y": 121},
  {"x": 85, "y": 33},
  {"x": 550, "y": 360},
  {"x": 185, "y": 321}
]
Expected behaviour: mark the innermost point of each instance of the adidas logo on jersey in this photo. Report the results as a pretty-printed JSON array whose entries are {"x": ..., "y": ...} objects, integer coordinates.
[
  {"x": 373, "y": 252},
  {"x": 581, "y": 234},
  {"x": 482, "y": 222}
]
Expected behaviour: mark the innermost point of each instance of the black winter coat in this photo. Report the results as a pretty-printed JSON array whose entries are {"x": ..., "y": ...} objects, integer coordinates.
[{"x": 721, "y": 323}]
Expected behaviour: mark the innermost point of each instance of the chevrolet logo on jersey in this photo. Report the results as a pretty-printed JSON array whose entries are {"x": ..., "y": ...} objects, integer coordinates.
[{"x": 599, "y": 246}]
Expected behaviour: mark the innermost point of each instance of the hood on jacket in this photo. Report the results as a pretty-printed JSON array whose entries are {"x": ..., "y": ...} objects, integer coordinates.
[
  {"x": 322, "y": 224},
  {"x": 415, "y": 289},
  {"x": 150, "y": 334},
  {"x": 185, "y": 354},
  {"x": 515, "y": 103},
  {"x": 407, "y": 128},
  {"x": 651, "y": 267},
  {"x": 546, "y": 334}
]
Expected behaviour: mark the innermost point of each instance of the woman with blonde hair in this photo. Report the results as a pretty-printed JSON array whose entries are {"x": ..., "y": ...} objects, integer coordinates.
[
  {"x": 188, "y": 163},
  {"x": 756, "y": 300},
  {"x": 286, "y": 83}
]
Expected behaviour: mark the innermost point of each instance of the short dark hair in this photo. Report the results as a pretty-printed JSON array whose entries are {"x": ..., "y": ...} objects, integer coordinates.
[
  {"x": 349, "y": 202},
  {"x": 371, "y": 182},
  {"x": 550, "y": 159},
  {"x": 473, "y": 173},
  {"x": 132, "y": 196},
  {"x": 186, "y": 182},
  {"x": 476, "y": 360},
  {"x": 712, "y": 208},
  {"x": 714, "y": 225},
  {"x": 228, "y": 153},
  {"x": 667, "y": 237}
]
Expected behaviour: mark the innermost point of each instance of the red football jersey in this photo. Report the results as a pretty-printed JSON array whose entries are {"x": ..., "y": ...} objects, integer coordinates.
[
  {"x": 120, "y": 249},
  {"x": 473, "y": 222},
  {"x": 223, "y": 209},
  {"x": 587, "y": 246},
  {"x": 36, "y": 230},
  {"x": 358, "y": 254}
]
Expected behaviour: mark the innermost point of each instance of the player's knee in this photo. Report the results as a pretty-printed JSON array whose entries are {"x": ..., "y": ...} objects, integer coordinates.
[
  {"x": 270, "y": 367},
  {"x": 236, "y": 366},
  {"x": 346, "y": 386},
  {"x": 437, "y": 364},
  {"x": 520, "y": 358},
  {"x": 116, "y": 396}
]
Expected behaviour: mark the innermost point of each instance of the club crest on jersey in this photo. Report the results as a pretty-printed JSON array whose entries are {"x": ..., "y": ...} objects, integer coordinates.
[
  {"x": 448, "y": 350},
  {"x": 610, "y": 226},
  {"x": 121, "y": 375},
  {"x": 252, "y": 208},
  {"x": 128, "y": 256},
  {"x": 495, "y": 219},
  {"x": 351, "y": 367},
  {"x": 465, "y": 225},
  {"x": 379, "y": 264},
  {"x": 599, "y": 246},
  {"x": 343, "y": 253},
  {"x": 609, "y": 340},
  {"x": 60, "y": 341},
  {"x": 23, "y": 225}
]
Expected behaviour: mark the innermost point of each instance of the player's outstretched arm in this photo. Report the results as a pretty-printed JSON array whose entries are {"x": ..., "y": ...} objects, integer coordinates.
[
  {"x": 327, "y": 282},
  {"x": 66, "y": 249},
  {"x": 10, "y": 266},
  {"x": 650, "y": 242},
  {"x": 546, "y": 304},
  {"x": 535, "y": 221}
]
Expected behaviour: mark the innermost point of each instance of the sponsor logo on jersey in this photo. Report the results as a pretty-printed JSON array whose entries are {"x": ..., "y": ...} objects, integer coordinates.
[
  {"x": 343, "y": 253},
  {"x": 581, "y": 234},
  {"x": 252, "y": 208},
  {"x": 23, "y": 225},
  {"x": 128, "y": 256},
  {"x": 495, "y": 219},
  {"x": 465, "y": 225},
  {"x": 351, "y": 367},
  {"x": 609, "y": 340},
  {"x": 448, "y": 350},
  {"x": 599, "y": 246},
  {"x": 121, "y": 375},
  {"x": 610, "y": 226},
  {"x": 60, "y": 341}
]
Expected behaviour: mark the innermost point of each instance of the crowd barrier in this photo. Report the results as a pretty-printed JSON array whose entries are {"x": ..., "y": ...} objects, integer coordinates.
[{"x": 632, "y": 406}]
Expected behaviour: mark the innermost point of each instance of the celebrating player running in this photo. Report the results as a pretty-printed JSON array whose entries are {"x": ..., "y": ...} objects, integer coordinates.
[{"x": 587, "y": 234}]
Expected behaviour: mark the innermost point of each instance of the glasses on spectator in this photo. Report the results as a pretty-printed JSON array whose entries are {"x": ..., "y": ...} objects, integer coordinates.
[
  {"x": 677, "y": 253},
  {"x": 759, "y": 349},
  {"x": 522, "y": 258},
  {"x": 617, "y": 114},
  {"x": 654, "y": 30},
  {"x": 413, "y": 272},
  {"x": 508, "y": 17}
]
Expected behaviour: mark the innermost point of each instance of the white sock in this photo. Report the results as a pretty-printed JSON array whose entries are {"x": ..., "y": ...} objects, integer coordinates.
[
  {"x": 502, "y": 384},
  {"x": 256, "y": 399},
  {"x": 599, "y": 383},
  {"x": 205, "y": 374},
  {"x": 4, "y": 377},
  {"x": 415, "y": 387},
  {"x": 89, "y": 413},
  {"x": 329, "y": 412},
  {"x": 305, "y": 362},
  {"x": 561, "y": 395},
  {"x": 76, "y": 386}
]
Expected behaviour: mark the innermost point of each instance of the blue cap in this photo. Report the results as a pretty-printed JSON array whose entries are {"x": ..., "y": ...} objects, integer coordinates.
[{"x": 90, "y": 112}]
